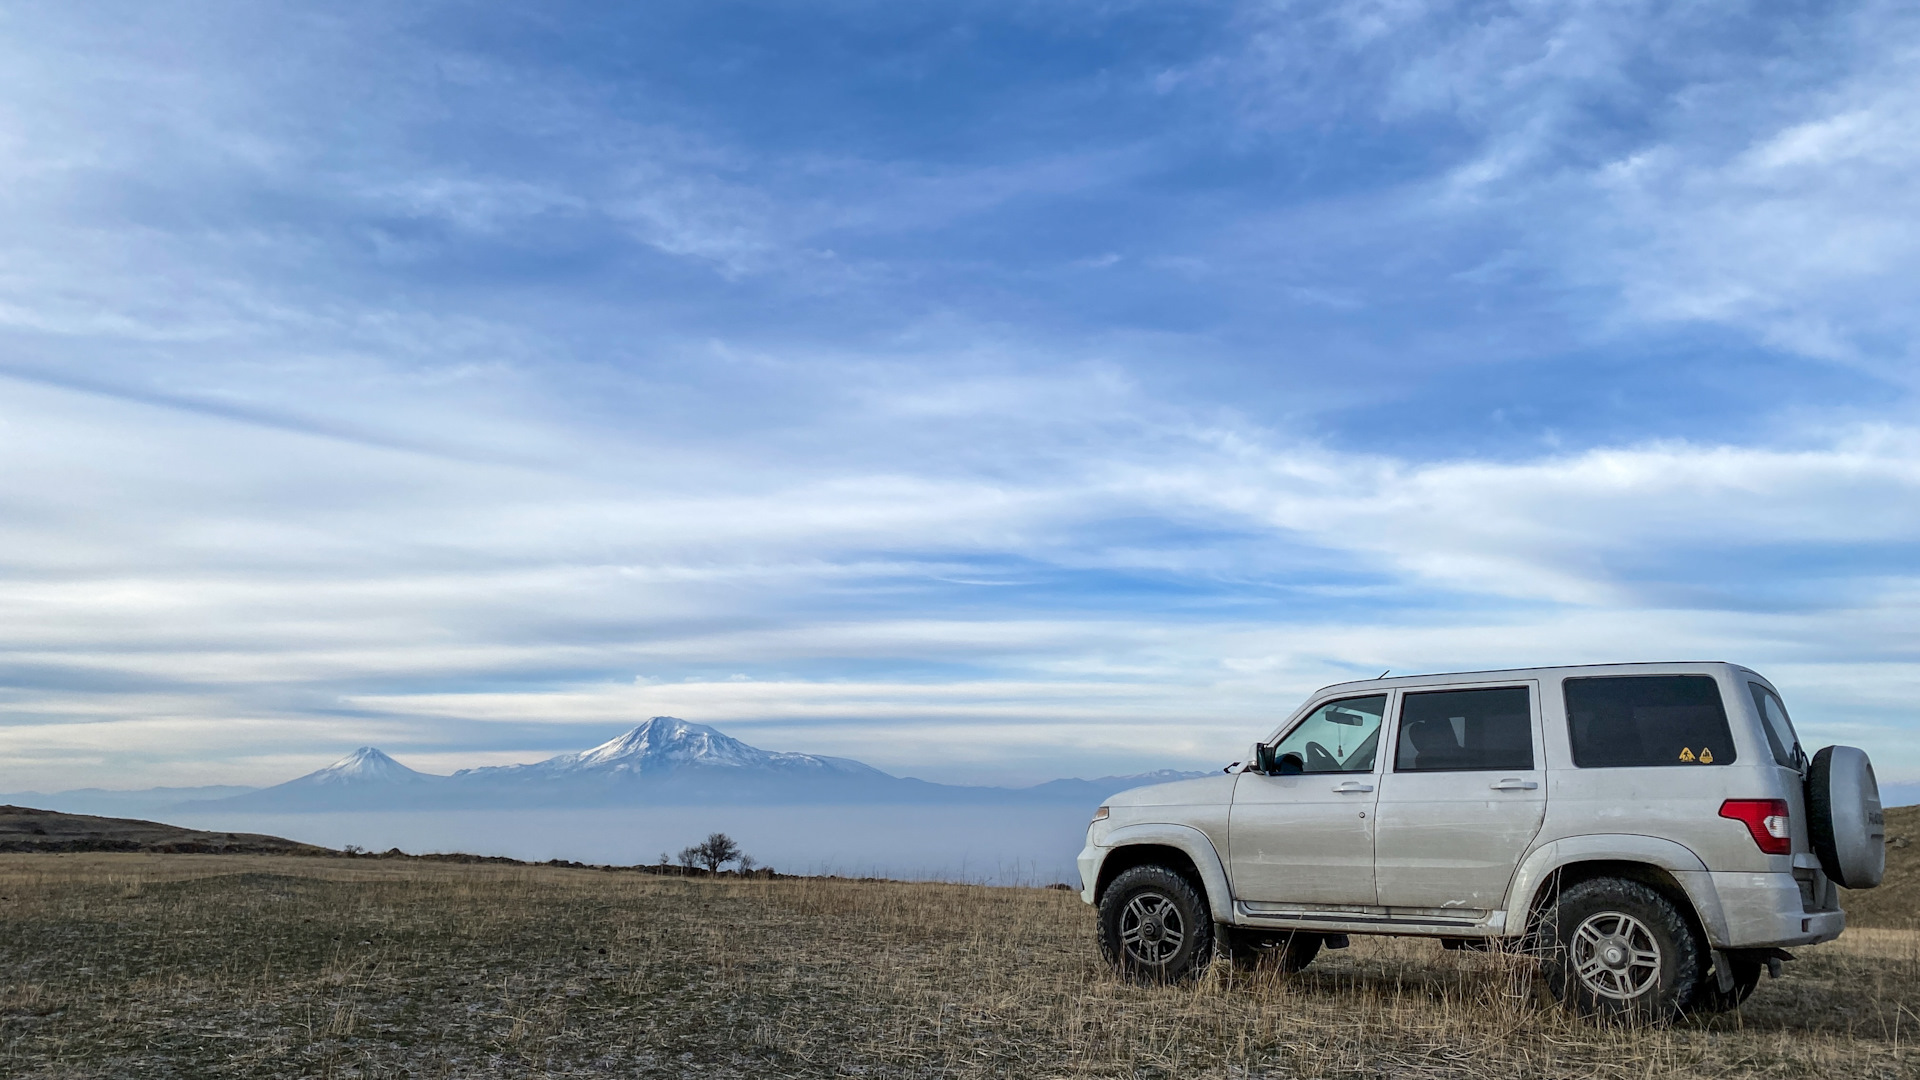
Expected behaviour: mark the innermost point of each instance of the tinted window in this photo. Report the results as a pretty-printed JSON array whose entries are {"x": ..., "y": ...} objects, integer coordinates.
[
  {"x": 1463, "y": 730},
  {"x": 1636, "y": 720},
  {"x": 1340, "y": 736},
  {"x": 1773, "y": 717}
]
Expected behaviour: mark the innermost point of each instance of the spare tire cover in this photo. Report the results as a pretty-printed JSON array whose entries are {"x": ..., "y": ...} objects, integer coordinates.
[{"x": 1845, "y": 822}]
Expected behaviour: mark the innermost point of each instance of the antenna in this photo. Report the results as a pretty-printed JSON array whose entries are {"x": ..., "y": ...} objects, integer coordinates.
[{"x": 1382, "y": 675}]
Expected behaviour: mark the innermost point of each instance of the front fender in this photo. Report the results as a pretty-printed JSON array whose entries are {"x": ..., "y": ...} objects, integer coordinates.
[
  {"x": 1189, "y": 841},
  {"x": 1677, "y": 859}
]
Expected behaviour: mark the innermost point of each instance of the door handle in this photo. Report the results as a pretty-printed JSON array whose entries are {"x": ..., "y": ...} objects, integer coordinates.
[
  {"x": 1352, "y": 787},
  {"x": 1515, "y": 785}
]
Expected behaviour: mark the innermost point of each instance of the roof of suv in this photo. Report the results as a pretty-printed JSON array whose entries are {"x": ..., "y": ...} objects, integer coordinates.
[{"x": 1442, "y": 678}]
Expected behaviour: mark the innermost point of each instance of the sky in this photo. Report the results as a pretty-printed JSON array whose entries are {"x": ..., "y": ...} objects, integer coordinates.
[{"x": 990, "y": 391}]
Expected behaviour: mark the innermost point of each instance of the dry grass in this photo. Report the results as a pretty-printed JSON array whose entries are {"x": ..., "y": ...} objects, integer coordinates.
[{"x": 203, "y": 966}]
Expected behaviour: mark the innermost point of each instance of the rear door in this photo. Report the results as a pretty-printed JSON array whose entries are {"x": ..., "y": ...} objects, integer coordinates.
[{"x": 1461, "y": 798}]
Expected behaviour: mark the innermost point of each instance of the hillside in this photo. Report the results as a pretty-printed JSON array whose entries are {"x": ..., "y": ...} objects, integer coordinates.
[
  {"x": 26, "y": 829},
  {"x": 1896, "y": 903}
]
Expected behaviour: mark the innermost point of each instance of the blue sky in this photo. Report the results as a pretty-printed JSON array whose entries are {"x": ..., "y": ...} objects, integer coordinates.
[{"x": 990, "y": 391}]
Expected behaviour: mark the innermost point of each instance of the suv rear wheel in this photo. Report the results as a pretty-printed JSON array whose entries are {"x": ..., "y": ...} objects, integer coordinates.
[
  {"x": 1619, "y": 950},
  {"x": 1155, "y": 926}
]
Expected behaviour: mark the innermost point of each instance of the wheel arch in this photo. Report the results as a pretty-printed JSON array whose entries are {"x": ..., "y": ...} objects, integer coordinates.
[
  {"x": 1181, "y": 848},
  {"x": 1667, "y": 867}
]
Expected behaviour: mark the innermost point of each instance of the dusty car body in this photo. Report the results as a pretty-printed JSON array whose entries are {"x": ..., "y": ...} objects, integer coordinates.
[{"x": 1471, "y": 806}]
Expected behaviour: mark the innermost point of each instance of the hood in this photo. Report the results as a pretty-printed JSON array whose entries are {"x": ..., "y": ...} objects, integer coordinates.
[{"x": 1203, "y": 791}]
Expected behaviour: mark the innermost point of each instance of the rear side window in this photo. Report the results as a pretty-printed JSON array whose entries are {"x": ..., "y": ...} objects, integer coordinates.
[
  {"x": 1773, "y": 716},
  {"x": 1639, "y": 720},
  {"x": 1465, "y": 731}
]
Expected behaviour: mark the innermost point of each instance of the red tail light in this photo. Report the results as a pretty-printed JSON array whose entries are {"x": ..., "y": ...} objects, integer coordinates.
[{"x": 1766, "y": 819}]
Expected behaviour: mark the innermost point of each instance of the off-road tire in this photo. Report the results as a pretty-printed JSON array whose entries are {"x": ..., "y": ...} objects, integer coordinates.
[
  {"x": 1617, "y": 950},
  {"x": 1746, "y": 967},
  {"x": 1848, "y": 834},
  {"x": 1284, "y": 951},
  {"x": 1819, "y": 803},
  {"x": 1138, "y": 913}
]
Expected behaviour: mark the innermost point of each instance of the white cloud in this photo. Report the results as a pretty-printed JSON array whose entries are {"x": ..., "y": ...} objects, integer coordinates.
[
  {"x": 239, "y": 589},
  {"x": 1699, "y": 164}
]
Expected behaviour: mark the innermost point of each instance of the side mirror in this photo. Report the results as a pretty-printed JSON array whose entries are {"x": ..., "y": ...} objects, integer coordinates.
[
  {"x": 1262, "y": 759},
  {"x": 1292, "y": 765}
]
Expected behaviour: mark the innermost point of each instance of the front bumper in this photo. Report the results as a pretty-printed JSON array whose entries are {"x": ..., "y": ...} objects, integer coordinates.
[{"x": 1089, "y": 862}]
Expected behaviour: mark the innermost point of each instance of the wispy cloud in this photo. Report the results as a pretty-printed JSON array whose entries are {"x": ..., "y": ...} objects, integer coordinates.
[{"x": 452, "y": 381}]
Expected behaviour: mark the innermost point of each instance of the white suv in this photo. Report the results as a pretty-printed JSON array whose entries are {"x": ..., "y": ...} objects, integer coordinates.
[{"x": 1653, "y": 831}]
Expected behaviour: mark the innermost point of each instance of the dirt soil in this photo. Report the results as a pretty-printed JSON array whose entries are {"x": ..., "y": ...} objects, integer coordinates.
[{"x": 228, "y": 966}]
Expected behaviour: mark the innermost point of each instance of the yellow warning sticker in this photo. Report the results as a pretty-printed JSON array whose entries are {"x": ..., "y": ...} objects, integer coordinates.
[
  {"x": 1706, "y": 756},
  {"x": 1686, "y": 754}
]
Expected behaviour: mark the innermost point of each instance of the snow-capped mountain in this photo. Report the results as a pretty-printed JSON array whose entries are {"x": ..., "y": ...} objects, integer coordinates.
[
  {"x": 367, "y": 765},
  {"x": 666, "y": 744},
  {"x": 670, "y": 760},
  {"x": 364, "y": 779}
]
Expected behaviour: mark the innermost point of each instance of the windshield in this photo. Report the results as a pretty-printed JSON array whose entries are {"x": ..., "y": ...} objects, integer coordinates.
[{"x": 1781, "y": 738}]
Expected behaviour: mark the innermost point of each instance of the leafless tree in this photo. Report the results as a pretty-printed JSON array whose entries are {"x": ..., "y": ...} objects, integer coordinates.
[{"x": 716, "y": 851}]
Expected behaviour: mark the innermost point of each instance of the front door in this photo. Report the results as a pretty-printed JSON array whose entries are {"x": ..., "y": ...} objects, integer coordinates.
[
  {"x": 1308, "y": 838},
  {"x": 1462, "y": 798}
]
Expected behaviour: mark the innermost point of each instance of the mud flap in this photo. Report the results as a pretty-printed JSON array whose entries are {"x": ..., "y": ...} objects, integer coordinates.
[{"x": 1723, "y": 970}]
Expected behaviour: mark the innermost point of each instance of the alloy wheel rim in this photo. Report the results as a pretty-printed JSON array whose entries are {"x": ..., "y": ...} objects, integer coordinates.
[
  {"x": 1616, "y": 956},
  {"x": 1151, "y": 929}
]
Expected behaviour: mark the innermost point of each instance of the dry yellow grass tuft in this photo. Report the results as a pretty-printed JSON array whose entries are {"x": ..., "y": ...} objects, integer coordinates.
[{"x": 181, "y": 965}]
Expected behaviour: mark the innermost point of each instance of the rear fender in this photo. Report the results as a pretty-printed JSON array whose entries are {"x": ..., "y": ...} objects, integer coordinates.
[
  {"x": 1677, "y": 859},
  {"x": 1190, "y": 842}
]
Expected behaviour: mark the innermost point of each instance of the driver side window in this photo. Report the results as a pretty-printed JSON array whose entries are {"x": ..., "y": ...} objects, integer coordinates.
[{"x": 1340, "y": 736}]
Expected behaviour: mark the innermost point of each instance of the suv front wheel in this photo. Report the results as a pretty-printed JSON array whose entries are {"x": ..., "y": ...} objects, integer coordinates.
[
  {"x": 1617, "y": 949},
  {"x": 1155, "y": 927}
]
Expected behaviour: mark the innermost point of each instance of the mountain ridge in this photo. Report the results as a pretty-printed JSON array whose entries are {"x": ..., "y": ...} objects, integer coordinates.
[{"x": 664, "y": 760}]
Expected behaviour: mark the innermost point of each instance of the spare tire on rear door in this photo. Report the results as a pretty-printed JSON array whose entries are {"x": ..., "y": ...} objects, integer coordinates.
[{"x": 1844, "y": 819}]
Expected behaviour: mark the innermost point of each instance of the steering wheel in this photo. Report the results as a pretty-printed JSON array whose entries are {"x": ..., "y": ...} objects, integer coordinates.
[{"x": 1318, "y": 760}]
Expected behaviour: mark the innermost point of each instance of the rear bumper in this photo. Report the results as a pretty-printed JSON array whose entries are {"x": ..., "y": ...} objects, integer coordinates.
[{"x": 1749, "y": 910}]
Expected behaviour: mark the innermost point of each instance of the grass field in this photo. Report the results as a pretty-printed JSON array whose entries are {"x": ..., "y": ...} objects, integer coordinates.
[{"x": 189, "y": 966}]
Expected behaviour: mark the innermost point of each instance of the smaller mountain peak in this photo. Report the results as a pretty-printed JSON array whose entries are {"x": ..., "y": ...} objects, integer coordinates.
[
  {"x": 367, "y": 764},
  {"x": 365, "y": 757}
]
